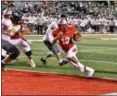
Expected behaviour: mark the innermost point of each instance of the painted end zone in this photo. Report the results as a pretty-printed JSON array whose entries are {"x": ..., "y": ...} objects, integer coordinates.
[{"x": 36, "y": 83}]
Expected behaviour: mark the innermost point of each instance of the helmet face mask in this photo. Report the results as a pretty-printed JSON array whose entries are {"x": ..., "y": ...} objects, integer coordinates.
[
  {"x": 62, "y": 27},
  {"x": 7, "y": 16},
  {"x": 62, "y": 23}
]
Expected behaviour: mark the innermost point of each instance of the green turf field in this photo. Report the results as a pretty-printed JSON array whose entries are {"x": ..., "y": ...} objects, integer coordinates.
[{"x": 96, "y": 51}]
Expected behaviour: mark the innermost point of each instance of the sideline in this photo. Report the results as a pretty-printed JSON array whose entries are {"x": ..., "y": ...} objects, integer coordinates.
[{"x": 55, "y": 73}]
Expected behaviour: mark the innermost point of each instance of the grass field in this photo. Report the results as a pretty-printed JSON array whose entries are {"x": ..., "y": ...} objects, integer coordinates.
[{"x": 97, "y": 51}]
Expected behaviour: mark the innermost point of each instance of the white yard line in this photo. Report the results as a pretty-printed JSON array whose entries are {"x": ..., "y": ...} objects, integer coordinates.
[
  {"x": 99, "y": 61},
  {"x": 99, "y": 47},
  {"x": 40, "y": 40},
  {"x": 36, "y": 40},
  {"x": 84, "y": 35},
  {"x": 99, "y": 34},
  {"x": 89, "y": 51},
  {"x": 80, "y": 59},
  {"x": 108, "y": 38},
  {"x": 92, "y": 51},
  {"x": 33, "y": 35}
]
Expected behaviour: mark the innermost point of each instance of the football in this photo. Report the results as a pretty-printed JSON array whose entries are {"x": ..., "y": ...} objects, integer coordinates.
[{"x": 76, "y": 37}]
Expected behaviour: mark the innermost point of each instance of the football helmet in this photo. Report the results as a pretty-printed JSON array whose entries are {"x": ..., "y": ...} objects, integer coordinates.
[{"x": 16, "y": 16}]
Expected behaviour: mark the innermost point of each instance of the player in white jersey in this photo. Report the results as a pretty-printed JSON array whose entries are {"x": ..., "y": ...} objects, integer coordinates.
[
  {"x": 48, "y": 36},
  {"x": 9, "y": 51},
  {"x": 48, "y": 39},
  {"x": 6, "y": 24},
  {"x": 17, "y": 37}
]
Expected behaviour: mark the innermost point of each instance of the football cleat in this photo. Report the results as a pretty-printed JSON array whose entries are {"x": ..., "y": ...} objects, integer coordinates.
[
  {"x": 63, "y": 63},
  {"x": 44, "y": 62},
  {"x": 81, "y": 67},
  {"x": 91, "y": 72},
  {"x": 32, "y": 63}
]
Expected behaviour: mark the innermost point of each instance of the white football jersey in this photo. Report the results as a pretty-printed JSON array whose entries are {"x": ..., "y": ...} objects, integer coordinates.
[
  {"x": 14, "y": 31},
  {"x": 6, "y": 26},
  {"x": 48, "y": 36}
]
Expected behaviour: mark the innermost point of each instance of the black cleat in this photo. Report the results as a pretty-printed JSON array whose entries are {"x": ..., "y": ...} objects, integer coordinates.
[
  {"x": 43, "y": 61},
  {"x": 63, "y": 63}
]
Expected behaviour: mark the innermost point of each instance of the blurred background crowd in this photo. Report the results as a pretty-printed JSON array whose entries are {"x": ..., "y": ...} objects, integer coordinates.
[{"x": 88, "y": 16}]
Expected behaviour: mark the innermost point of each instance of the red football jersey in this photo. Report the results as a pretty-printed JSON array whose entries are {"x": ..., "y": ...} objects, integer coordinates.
[{"x": 65, "y": 39}]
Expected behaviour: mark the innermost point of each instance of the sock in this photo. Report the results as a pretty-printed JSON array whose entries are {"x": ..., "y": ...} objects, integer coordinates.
[
  {"x": 31, "y": 60},
  {"x": 32, "y": 63},
  {"x": 88, "y": 68},
  {"x": 60, "y": 61},
  {"x": 75, "y": 65},
  {"x": 81, "y": 67}
]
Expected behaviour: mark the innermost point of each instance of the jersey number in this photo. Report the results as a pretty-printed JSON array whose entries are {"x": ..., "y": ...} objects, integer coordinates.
[{"x": 65, "y": 40}]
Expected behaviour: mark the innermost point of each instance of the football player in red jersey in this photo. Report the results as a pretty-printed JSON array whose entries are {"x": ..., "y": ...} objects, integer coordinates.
[{"x": 65, "y": 35}]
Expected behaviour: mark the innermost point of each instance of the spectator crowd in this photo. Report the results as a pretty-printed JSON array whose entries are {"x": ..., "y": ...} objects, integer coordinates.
[{"x": 87, "y": 16}]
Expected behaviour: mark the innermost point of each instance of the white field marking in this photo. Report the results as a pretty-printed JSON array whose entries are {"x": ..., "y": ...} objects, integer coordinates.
[
  {"x": 37, "y": 40},
  {"x": 89, "y": 51},
  {"x": 110, "y": 94},
  {"x": 34, "y": 35},
  {"x": 80, "y": 59},
  {"x": 55, "y": 73},
  {"x": 98, "y": 51},
  {"x": 99, "y": 61},
  {"x": 99, "y": 47},
  {"x": 84, "y": 35},
  {"x": 92, "y": 49},
  {"x": 108, "y": 38},
  {"x": 99, "y": 34}
]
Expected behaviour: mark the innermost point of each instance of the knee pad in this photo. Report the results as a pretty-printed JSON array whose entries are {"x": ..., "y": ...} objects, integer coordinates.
[
  {"x": 29, "y": 53},
  {"x": 14, "y": 55}
]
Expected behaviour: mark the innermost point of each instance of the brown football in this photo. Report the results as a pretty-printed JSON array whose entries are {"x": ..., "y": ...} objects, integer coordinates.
[{"x": 76, "y": 37}]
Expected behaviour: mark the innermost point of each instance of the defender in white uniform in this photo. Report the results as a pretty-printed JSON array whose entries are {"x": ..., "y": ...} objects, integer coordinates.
[
  {"x": 17, "y": 37},
  {"x": 48, "y": 39},
  {"x": 9, "y": 51},
  {"x": 6, "y": 24},
  {"x": 48, "y": 36}
]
